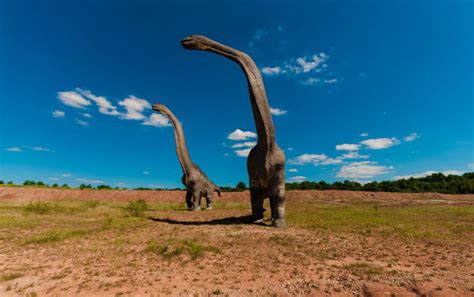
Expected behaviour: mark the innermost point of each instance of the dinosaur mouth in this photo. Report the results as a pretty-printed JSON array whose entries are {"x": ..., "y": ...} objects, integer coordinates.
[{"x": 189, "y": 42}]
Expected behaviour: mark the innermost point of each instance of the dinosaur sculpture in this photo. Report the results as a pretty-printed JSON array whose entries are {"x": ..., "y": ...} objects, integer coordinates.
[
  {"x": 194, "y": 179},
  {"x": 266, "y": 161}
]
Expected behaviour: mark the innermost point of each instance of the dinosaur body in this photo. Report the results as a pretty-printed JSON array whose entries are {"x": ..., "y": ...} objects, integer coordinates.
[
  {"x": 266, "y": 161},
  {"x": 194, "y": 179}
]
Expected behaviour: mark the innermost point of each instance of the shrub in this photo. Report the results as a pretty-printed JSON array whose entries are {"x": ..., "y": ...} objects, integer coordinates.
[
  {"x": 37, "y": 207},
  {"x": 136, "y": 208},
  {"x": 241, "y": 186}
]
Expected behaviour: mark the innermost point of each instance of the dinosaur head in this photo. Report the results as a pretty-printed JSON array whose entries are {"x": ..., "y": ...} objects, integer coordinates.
[
  {"x": 158, "y": 107},
  {"x": 196, "y": 42}
]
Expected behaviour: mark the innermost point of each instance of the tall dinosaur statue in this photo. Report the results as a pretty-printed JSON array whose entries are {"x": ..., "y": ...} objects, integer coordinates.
[
  {"x": 194, "y": 179},
  {"x": 266, "y": 161}
]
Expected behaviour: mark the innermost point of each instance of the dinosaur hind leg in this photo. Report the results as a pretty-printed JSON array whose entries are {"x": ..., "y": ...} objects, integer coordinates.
[
  {"x": 256, "y": 199},
  {"x": 277, "y": 200},
  {"x": 189, "y": 200},
  {"x": 196, "y": 200}
]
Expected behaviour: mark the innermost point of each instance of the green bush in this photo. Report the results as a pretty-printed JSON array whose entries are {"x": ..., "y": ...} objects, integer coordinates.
[
  {"x": 136, "y": 208},
  {"x": 37, "y": 207}
]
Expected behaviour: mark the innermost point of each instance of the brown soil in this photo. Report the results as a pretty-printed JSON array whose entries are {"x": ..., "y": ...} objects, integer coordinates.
[{"x": 249, "y": 260}]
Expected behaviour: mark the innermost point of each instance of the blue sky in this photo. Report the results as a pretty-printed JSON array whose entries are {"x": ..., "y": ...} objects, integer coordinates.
[{"x": 360, "y": 90}]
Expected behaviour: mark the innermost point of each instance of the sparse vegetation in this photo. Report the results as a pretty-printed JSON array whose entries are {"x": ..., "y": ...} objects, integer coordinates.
[
  {"x": 136, "y": 208},
  {"x": 10, "y": 276},
  {"x": 37, "y": 207}
]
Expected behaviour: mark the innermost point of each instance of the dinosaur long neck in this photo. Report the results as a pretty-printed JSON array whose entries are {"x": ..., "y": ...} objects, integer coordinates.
[
  {"x": 258, "y": 97},
  {"x": 181, "y": 148}
]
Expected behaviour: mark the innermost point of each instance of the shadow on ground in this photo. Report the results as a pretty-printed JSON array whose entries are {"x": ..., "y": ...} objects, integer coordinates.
[{"x": 242, "y": 220}]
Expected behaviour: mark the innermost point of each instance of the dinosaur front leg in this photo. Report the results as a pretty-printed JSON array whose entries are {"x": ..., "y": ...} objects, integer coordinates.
[
  {"x": 196, "y": 200},
  {"x": 189, "y": 200},
  {"x": 256, "y": 199},
  {"x": 277, "y": 200}
]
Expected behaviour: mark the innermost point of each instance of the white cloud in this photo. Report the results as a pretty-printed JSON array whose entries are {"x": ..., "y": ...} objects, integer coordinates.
[
  {"x": 14, "y": 149},
  {"x": 105, "y": 106},
  {"x": 89, "y": 181},
  {"x": 470, "y": 166},
  {"x": 331, "y": 81},
  {"x": 353, "y": 155},
  {"x": 290, "y": 148},
  {"x": 411, "y": 137},
  {"x": 53, "y": 178},
  {"x": 380, "y": 143},
  {"x": 277, "y": 111},
  {"x": 134, "y": 106},
  {"x": 38, "y": 148},
  {"x": 82, "y": 123},
  {"x": 260, "y": 33},
  {"x": 292, "y": 170},
  {"x": 245, "y": 144},
  {"x": 316, "y": 60},
  {"x": 298, "y": 178},
  {"x": 145, "y": 172},
  {"x": 241, "y": 135},
  {"x": 157, "y": 120},
  {"x": 66, "y": 175},
  {"x": 73, "y": 99},
  {"x": 310, "y": 81},
  {"x": 243, "y": 153},
  {"x": 429, "y": 172},
  {"x": 301, "y": 65},
  {"x": 86, "y": 115},
  {"x": 226, "y": 154},
  {"x": 315, "y": 159},
  {"x": 271, "y": 70},
  {"x": 365, "y": 169},
  {"x": 59, "y": 114},
  {"x": 280, "y": 29},
  {"x": 364, "y": 134},
  {"x": 347, "y": 147}
]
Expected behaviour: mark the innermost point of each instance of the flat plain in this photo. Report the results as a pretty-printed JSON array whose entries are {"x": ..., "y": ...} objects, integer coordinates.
[{"x": 129, "y": 243}]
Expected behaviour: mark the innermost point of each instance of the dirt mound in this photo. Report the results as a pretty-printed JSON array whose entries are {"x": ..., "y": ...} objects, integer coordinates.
[{"x": 332, "y": 196}]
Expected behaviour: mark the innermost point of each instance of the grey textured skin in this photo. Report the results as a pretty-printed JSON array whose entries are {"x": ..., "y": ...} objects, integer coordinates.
[
  {"x": 194, "y": 179},
  {"x": 266, "y": 161}
]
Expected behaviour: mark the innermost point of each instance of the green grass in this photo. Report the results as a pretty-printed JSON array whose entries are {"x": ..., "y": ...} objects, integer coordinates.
[
  {"x": 430, "y": 222},
  {"x": 136, "y": 208},
  {"x": 10, "y": 276},
  {"x": 172, "y": 249},
  {"x": 37, "y": 207},
  {"x": 56, "y": 235}
]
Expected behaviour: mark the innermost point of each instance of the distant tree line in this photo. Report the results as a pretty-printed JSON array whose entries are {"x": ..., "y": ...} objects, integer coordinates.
[{"x": 437, "y": 183}]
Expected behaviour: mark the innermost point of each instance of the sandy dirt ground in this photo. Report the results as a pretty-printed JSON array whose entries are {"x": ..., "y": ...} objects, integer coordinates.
[{"x": 238, "y": 259}]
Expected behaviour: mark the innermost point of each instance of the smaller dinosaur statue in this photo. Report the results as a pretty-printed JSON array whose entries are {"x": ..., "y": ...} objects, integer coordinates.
[{"x": 194, "y": 179}]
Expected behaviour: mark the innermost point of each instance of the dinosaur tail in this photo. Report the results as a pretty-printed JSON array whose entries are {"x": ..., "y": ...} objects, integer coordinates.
[{"x": 218, "y": 190}]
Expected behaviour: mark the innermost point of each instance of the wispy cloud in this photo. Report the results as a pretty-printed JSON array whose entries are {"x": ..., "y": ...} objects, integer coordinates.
[
  {"x": 260, "y": 33},
  {"x": 243, "y": 153},
  {"x": 89, "y": 181},
  {"x": 241, "y": 135},
  {"x": 145, "y": 173},
  {"x": 73, "y": 99},
  {"x": 245, "y": 144},
  {"x": 82, "y": 123},
  {"x": 297, "y": 179},
  {"x": 411, "y": 137},
  {"x": 15, "y": 149},
  {"x": 347, "y": 147},
  {"x": 66, "y": 175},
  {"x": 353, "y": 155},
  {"x": 157, "y": 120},
  {"x": 271, "y": 70},
  {"x": 301, "y": 65},
  {"x": 54, "y": 178},
  {"x": 292, "y": 170},
  {"x": 429, "y": 172},
  {"x": 362, "y": 170},
  {"x": 58, "y": 114},
  {"x": 315, "y": 159},
  {"x": 364, "y": 134},
  {"x": 380, "y": 143},
  {"x": 277, "y": 111},
  {"x": 38, "y": 148},
  {"x": 86, "y": 115},
  {"x": 105, "y": 106}
]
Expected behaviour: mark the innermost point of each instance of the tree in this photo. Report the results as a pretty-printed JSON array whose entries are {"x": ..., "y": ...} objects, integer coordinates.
[
  {"x": 1, "y": 182},
  {"x": 241, "y": 186},
  {"x": 54, "y": 185},
  {"x": 10, "y": 183},
  {"x": 40, "y": 183},
  {"x": 65, "y": 186}
]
